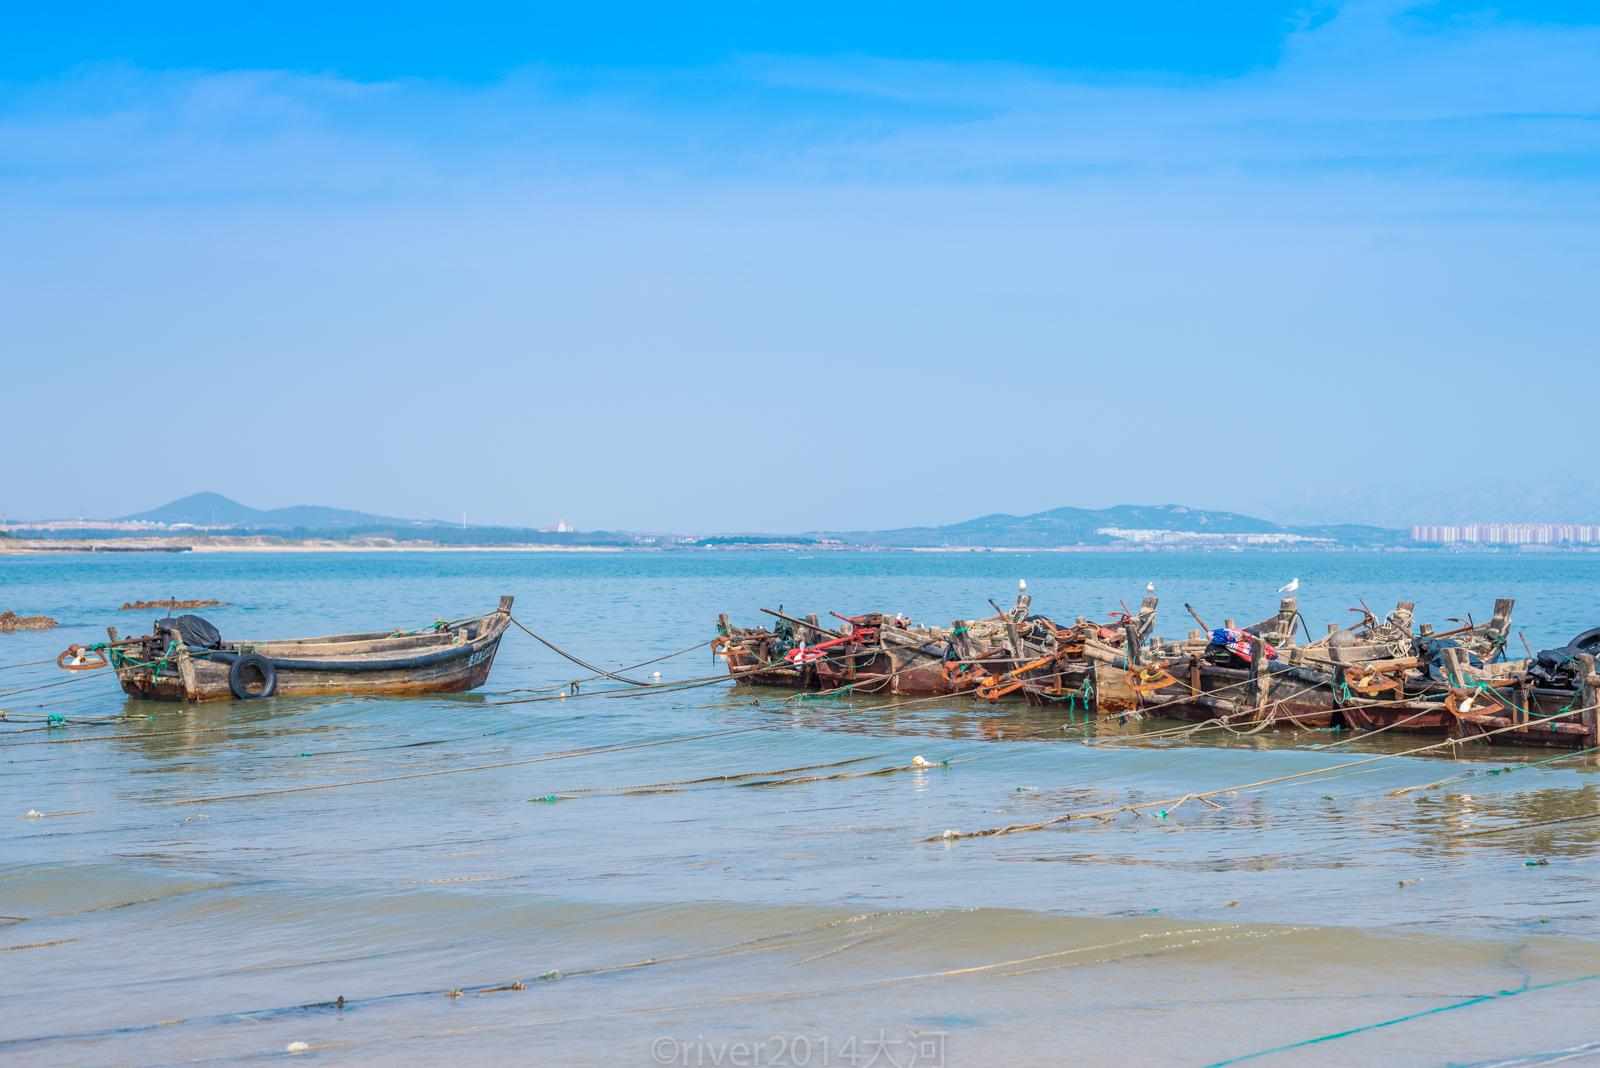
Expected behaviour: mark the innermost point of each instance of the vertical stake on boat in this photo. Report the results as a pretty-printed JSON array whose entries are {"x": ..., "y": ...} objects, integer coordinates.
[
  {"x": 505, "y": 604},
  {"x": 1147, "y": 615},
  {"x": 1455, "y": 665},
  {"x": 191, "y": 689},
  {"x": 958, "y": 633},
  {"x": 1259, "y": 676},
  {"x": 1590, "y": 716},
  {"x": 111, "y": 633}
]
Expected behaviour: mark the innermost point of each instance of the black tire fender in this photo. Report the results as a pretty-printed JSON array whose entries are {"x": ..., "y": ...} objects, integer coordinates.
[
  {"x": 239, "y": 671},
  {"x": 1588, "y": 641}
]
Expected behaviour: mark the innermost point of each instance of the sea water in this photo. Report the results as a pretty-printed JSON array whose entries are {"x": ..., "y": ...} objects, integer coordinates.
[{"x": 205, "y": 883}]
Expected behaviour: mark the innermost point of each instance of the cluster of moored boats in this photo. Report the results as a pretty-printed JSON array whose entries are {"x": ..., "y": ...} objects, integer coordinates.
[{"x": 1378, "y": 673}]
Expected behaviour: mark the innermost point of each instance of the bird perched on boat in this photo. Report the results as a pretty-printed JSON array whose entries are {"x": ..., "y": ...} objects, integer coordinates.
[
  {"x": 1149, "y": 587},
  {"x": 1295, "y": 585},
  {"x": 1022, "y": 585}
]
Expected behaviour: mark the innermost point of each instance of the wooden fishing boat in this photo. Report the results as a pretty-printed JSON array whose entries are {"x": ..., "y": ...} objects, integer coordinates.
[
  {"x": 883, "y": 654},
  {"x": 185, "y": 659},
  {"x": 760, "y": 656},
  {"x": 1547, "y": 700},
  {"x": 1374, "y": 675},
  {"x": 1084, "y": 666}
]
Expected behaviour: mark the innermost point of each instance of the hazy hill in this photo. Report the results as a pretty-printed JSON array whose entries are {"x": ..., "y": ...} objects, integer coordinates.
[
  {"x": 1082, "y": 526},
  {"x": 1041, "y": 530},
  {"x": 213, "y": 509}
]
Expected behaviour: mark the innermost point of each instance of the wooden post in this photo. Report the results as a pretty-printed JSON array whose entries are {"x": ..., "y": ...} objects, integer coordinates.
[
  {"x": 1590, "y": 717},
  {"x": 1130, "y": 643},
  {"x": 1260, "y": 677},
  {"x": 191, "y": 689},
  {"x": 962, "y": 637},
  {"x": 1288, "y": 608},
  {"x": 505, "y": 604},
  {"x": 1455, "y": 671}
]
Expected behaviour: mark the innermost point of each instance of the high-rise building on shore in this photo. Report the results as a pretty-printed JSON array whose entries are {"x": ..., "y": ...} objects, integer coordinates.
[{"x": 1508, "y": 534}]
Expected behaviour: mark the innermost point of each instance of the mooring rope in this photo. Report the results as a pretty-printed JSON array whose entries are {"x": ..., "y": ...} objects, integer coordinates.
[
  {"x": 677, "y": 785},
  {"x": 26, "y": 663},
  {"x": 542, "y": 758},
  {"x": 1508, "y": 769},
  {"x": 760, "y": 943},
  {"x": 631, "y": 667},
  {"x": 48, "y": 685},
  {"x": 1467, "y": 1003},
  {"x": 1530, "y": 824},
  {"x": 581, "y": 663}
]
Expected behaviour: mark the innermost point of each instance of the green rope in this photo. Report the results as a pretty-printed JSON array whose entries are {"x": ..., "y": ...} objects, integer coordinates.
[
  {"x": 1483, "y": 687},
  {"x": 1403, "y": 1019},
  {"x": 120, "y": 660},
  {"x": 1509, "y": 768},
  {"x": 827, "y": 693}
]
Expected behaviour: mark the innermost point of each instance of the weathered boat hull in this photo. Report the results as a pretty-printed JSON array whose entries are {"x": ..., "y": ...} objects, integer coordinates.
[
  {"x": 1554, "y": 719},
  {"x": 870, "y": 670},
  {"x": 757, "y": 657},
  {"x": 451, "y": 659},
  {"x": 1418, "y": 713},
  {"x": 1201, "y": 691},
  {"x": 1063, "y": 688},
  {"x": 753, "y": 669}
]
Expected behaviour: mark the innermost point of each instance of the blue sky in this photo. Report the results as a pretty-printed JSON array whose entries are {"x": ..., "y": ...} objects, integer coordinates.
[{"x": 787, "y": 267}]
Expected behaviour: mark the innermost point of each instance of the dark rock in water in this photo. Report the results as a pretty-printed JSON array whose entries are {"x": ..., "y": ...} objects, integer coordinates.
[{"x": 10, "y": 621}]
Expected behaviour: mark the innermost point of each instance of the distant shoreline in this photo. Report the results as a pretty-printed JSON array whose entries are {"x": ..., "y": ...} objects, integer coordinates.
[{"x": 224, "y": 544}]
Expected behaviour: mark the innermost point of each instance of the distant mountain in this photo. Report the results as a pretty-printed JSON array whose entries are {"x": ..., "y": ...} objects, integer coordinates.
[
  {"x": 1083, "y": 526},
  {"x": 1042, "y": 530},
  {"x": 213, "y": 509}
]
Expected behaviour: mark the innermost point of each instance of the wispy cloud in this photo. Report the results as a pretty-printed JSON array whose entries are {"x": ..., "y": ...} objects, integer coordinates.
[{"x": 1368, "y": 92}]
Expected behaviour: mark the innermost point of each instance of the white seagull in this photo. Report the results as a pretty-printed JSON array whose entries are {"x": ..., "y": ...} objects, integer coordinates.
[
  {"x": 1149, "y": 587},
  {"x": 1022, "y": 585},
  {"x": 1295, "y": 585}
]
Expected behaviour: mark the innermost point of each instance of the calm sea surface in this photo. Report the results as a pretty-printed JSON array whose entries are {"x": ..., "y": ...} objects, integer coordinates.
[{"x": 151, "y": 915}]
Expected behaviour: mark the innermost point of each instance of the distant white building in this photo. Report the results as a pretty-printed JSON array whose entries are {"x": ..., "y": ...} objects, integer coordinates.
[
  {"x": 1508, "y": 534},
  {"x": 1198, "y": 537}
]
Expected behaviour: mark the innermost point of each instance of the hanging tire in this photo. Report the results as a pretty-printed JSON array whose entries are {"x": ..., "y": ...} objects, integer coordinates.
[
  {"x": 252, "y": 676},
  {"x": 1588, "y": 641}
]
